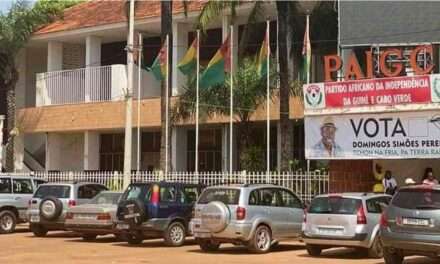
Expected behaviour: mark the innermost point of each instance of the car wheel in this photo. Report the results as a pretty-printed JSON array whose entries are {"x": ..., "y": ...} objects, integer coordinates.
[
  {"x": 313, "y": 250},
  {"x": 175, "y": 234},
  {"x": 261, "y": 241},
  {"x": 134, "y": 239},
  {"x": 89, "y": 237},
  {"x": 38, "y": 230},
  {"x": 208, "y": 245},
  {"x": 376, "y": 249},
  {"x": 8, "y": 220},
  {"x": 392, "y": 256}
]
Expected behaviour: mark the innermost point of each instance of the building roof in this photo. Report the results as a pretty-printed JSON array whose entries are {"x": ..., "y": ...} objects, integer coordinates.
[{"x": 101, "y": 12}]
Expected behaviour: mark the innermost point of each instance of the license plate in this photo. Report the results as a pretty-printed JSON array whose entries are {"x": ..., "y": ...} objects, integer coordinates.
[
  {"x": 84, "y": 216},
  {"x": 35, "y": 218},
  {"x": 330, "y": 231},
  {"x": 415, "y": 221},
  {"x": 122, "y": 226}
]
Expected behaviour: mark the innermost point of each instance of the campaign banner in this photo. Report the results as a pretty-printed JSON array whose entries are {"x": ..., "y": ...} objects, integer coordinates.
[
  {"x": 373, "y": 92},
  {"x": 404, "y": 135}
]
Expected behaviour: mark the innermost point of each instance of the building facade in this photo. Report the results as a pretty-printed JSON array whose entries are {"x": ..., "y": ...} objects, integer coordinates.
[{"x": 71, "y": 92}]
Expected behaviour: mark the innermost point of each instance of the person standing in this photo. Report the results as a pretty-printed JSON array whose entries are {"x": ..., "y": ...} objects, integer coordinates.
[
  {"x": 429, "y": 178},
  {"x": 389, "y": 183}
]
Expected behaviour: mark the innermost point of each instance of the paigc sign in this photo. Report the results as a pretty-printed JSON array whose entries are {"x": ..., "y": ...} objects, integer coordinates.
[{"x": 352, "y": 69}]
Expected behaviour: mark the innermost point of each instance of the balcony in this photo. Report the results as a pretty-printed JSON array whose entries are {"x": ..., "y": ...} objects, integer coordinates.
[{"x": 92, "y": 84}]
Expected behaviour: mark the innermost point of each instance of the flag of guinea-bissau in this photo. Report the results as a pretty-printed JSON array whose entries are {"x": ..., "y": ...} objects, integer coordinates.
[
  {"x": 221, "y": 62},
  {"x": 188, "y": 64},
  {"x": 262, "y": 56},
  {"x": 159, "y": 66}
]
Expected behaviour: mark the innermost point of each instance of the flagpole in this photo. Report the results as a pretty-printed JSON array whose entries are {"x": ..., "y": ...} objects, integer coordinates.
[
  {"x": 308, "y": 77},
  {"x": 231, "y": 112},
  {"x": 197, "y": 102},
  {"x": 167, "y": 40},
  {"x": 138, "y": 167},
  {"x": 268, "y": 99}
]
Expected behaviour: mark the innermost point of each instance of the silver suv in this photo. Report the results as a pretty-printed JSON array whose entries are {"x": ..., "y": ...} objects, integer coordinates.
[
  {"x": 257, "y": 216},
  {"x": 48, "y": 207},
  {"x": 411, "y": 224},
  {"x": 15, "y": 193},
  {"x": 345, "y": 220}
]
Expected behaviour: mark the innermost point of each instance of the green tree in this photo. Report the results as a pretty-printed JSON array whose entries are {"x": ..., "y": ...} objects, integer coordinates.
[
  {"x": 291, "y": 26},
  {"x": 16, "y": 27},
  {"x": 250, "y": 92}
]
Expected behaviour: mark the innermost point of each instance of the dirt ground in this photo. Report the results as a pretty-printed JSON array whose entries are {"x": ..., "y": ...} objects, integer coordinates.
[{"x": 64, "y": 247}]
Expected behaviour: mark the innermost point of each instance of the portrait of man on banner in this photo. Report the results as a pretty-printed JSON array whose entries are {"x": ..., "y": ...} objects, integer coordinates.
[{"x": 327, "y": 146}]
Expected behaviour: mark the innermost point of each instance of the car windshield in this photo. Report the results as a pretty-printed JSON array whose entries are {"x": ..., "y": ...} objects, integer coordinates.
[
  {"x": 334, "y": 205},
  {"x": 226, "y": 196},
  {"x": 422, "y": 199},
  {"x": 58, "y": 191},
  {"x": 106, "y": 198},
  {"x": 134, "y": 191}
]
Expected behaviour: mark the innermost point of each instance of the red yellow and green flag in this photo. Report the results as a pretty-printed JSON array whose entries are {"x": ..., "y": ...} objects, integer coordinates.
[
  {"x": 215, "y": 71},
  {"x": 159, "y": 66},
  {"x": 263, "y": 55},
  {"x": 188, "y": 64}
]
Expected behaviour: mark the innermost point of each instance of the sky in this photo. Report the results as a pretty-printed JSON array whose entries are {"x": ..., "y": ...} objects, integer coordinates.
[{"x": 4, "y": 5}]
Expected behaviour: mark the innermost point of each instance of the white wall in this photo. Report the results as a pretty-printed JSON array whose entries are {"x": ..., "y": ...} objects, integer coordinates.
[
  {"x": 36, "y": 62},
  {"x": 65, "y": 151}
]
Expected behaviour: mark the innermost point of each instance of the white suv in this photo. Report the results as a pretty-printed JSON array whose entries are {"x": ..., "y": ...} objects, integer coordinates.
[
  {"x": 48, "y": 207},
  {"x": 257, "y": 216},
  {"x": 15, "y": 193}
]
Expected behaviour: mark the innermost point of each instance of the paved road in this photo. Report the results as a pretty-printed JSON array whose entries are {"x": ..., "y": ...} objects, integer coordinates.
[{"x": 63, "y": 247}]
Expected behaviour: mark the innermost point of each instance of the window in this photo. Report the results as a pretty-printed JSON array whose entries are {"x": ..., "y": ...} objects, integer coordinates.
[
  {"x": 134, "y": 191},
  {"x": 22, "y": 186},
  {"x": 58, "y": 191},
  {"x": 334, "y": 205},
  {"x": 224, "y": 195},
  {"x": 374, "y": 205},
  {"x": 189, "y": 195},
  {"x": 106, "y": 198},
  {"x": 89, "y": 191},
  {"x": 420, "y": 199},
  {"x": 5, "y": 185},
  {"x": 254, "y": 198},
  {"x": 111, "y": 152},
  {"x": 167, "y": 194},
  {"x": 264, "y": 197},
  {"x": 289, "y": 200}
]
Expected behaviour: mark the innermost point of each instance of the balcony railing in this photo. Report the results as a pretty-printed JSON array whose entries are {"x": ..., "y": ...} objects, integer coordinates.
[{"x": 92, "y": 84}]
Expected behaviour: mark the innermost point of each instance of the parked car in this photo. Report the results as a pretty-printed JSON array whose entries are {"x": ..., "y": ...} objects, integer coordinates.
[
  {"x": 344, "y": 220},
  {"x": 257, "y": 216},
  {"x": 15, "y": 193},
  {"x": 410, "y": 225},
  {"x": 48, "y": 207},
  {"x": 96, "y": 217},
  {"x": 156, "y": 210}
]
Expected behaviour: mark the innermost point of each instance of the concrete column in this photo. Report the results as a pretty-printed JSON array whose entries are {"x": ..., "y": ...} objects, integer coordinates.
[
  {"x": 91, "y": 150},
  {"x": 178, "y": 149},
  {"x": 54, "y": 56},
  {"x": 93, "y": 58},
  {"x": 225, "y": 147},
  {"x": 134, "y": 145},
  {"x": 180, "y": 46}
]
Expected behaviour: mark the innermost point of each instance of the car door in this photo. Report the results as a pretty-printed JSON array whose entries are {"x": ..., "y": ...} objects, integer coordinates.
[
  {"x": 22, "y": 190},
  {"x": 269, "y": 205},
  {"x": 292, "y": 211},
  {"x": 188, "y": 195},
  {"x": 168, "y": 204},
  {"x": 6, "y": 188}
]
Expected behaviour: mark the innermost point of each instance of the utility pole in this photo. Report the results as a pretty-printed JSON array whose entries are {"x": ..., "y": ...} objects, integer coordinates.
[{"x": 129, "y": 99}]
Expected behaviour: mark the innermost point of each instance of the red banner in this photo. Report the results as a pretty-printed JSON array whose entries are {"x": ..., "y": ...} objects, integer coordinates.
[
  {"x": 385, "y": 91},
  {"x": 420, "y": 89}
]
